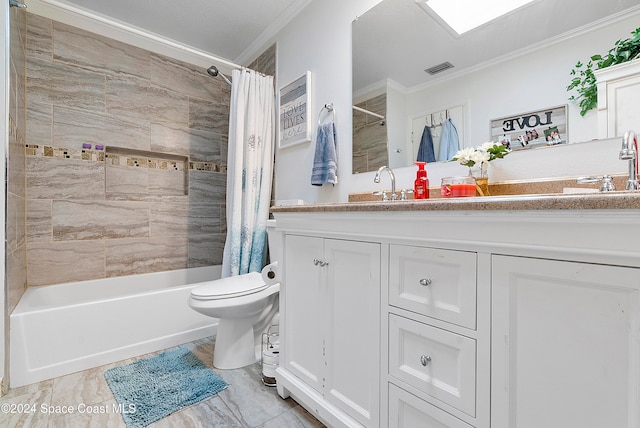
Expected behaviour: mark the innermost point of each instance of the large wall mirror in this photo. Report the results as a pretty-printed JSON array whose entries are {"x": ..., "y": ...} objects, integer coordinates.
[{"x": 396, "y": 43}]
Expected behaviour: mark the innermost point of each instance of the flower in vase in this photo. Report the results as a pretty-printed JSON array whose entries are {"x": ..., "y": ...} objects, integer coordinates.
[{"x": 481, "y": 154}]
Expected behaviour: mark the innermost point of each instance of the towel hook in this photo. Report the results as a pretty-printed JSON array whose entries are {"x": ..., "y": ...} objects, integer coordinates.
[{"x": 329, "y": 108}]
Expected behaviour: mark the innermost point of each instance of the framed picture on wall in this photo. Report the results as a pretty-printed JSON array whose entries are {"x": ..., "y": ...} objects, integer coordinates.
[
  {"x": 295, "y": 101},
  {"x": 546, "y": 127}
]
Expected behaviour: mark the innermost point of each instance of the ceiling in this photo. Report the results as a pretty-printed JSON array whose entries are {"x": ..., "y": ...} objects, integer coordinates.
[
  {"x": 398, "y": 40},
  {"x": 228, "y": 29}
]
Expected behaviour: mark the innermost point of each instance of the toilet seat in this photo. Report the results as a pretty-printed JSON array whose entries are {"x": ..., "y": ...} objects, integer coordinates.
[{"x": 233, "y": 286}]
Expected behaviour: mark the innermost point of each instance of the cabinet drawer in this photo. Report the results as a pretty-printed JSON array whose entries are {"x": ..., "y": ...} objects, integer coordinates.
[
  {"x": 433, "y": 282},
  {"x": 408, "y": 411},
  {"x": 435, "y": 361}
]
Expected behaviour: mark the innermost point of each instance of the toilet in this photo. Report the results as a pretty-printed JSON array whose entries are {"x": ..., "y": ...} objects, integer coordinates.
[{"x": 245, "y": 307}]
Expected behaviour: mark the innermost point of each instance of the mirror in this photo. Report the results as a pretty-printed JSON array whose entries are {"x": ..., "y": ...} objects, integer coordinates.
[{"x": 395, "y": 42}]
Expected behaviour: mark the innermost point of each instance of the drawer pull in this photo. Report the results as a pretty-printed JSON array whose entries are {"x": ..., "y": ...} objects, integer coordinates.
[
  {"x": 425, "y": 281},
  {"x": 322, "y": 263},
  {"x": 425, "y": 360}
]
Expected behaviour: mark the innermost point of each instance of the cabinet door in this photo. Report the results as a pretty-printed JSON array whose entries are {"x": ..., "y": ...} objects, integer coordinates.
[
  {"x": 353, "y": 349},
  {"x": 305, "y": 313},
  {"x": 623, "y": 102},
  {"x": 408, "y": 411},
  {"x": 565, "y": 344}
]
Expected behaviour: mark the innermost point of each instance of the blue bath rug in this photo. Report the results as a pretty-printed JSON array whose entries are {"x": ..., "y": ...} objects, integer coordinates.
[{"x": 150, "y": 389}]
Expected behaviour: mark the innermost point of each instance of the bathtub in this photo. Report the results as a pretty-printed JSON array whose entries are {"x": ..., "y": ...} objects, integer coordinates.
[{"x": 60, "y": 329}]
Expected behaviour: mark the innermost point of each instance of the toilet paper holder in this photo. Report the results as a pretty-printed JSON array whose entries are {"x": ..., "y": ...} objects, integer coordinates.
[{"x": 269, "y": 355}]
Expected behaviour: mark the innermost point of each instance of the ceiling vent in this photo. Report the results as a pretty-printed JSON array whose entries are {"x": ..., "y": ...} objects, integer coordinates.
[{"x": 439, "y": 68}]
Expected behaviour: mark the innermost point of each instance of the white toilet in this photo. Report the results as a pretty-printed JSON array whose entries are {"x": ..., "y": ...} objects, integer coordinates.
[{"x": 245, "y": 307}]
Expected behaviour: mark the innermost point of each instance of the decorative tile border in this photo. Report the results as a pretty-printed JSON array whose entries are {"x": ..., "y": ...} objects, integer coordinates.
[
  {"x": 63, "y": 153},
  {"x": 207, "y": 166},
  {"x": 117, "y": 159},
  {"x": 144, "y": 162}
]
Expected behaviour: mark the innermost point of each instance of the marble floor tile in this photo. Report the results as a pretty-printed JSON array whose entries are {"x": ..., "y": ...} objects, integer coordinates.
[{"x": 246, "y": 403}]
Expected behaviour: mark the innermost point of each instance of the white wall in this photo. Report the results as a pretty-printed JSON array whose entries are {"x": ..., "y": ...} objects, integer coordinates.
[{"x": 319, "y": 40}]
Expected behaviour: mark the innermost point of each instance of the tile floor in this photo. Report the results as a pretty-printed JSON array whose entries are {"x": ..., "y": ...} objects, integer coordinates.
[{"x": 246, "y": 403}]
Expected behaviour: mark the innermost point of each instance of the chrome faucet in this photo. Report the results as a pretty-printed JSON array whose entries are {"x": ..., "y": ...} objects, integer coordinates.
[
  {"x": 630, "y": 151},
  {"x": 376, "y": 179}
]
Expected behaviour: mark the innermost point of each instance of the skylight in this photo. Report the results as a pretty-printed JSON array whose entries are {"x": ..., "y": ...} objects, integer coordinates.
[{"x": 465, "y": 15}]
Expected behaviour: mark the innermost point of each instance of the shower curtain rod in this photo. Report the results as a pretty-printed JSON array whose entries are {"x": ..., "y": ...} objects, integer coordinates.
[
  {"x": 213, "y": 71},
  {"x": 368, "y": 112}
]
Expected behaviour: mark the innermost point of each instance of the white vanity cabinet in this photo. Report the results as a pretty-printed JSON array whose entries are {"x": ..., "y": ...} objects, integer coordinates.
[
  {"x": 565, "y": 344},
  {"x": 330, "y": 317},
  {"x": 463, "y": 318}
]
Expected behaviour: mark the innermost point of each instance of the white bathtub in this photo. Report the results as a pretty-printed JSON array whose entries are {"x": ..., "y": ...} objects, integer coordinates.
[{"x": 60, "y": 329}]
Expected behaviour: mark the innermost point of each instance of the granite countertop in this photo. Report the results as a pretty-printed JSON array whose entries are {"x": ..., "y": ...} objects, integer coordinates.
[{"x": 581, "y": 201}]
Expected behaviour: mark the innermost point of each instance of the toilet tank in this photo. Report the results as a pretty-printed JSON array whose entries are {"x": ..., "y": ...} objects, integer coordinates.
[{"x": 276, "y": 244}]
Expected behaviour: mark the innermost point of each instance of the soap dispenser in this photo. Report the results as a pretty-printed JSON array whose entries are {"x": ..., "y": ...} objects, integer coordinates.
[{"x": 421, "y": 185}]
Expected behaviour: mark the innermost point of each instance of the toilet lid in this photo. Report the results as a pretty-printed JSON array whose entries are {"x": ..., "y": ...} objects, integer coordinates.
[{"x": 232, "y": 286}]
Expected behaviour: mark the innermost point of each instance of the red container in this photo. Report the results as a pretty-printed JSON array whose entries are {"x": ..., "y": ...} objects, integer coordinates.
[{"x": 457, "y": 187}]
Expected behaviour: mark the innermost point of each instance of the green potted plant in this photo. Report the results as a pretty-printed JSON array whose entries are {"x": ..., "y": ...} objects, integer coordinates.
[{"x": 584, "y": 81}]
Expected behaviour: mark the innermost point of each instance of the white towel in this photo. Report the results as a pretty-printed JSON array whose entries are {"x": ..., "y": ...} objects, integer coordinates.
[{"x": 325, "y": 161}]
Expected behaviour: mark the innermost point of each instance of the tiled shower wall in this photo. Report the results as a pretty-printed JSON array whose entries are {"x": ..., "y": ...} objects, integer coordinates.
[
  {"x": 149, "y": 193},
  {"x": 16, "y": 263},
  {"x": 370, "y": 150}
]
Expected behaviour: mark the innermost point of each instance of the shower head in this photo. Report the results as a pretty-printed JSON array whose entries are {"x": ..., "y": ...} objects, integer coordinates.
[{"x": 213, "y": 71}]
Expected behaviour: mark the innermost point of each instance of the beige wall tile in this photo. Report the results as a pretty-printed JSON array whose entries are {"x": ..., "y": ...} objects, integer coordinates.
[
  {"x": 58, "y": 262},
  {"x": 137, "y": 99},
  {"x": 169, "y": 219},
  {"x": 52, "y": 178},
  {"x": 167, "y": 182},
  {"x": 208, "y": 116},
  {"x": 200, "y": 145},
  {"x": 135, "y": 256},
  {"x": 64, "y": 85},
  {"x": 39, "y": 124},
  {"x": 39, "y": 37},
  {"x": 16, "y": 276},
  {"x": 39, "y": 228},
  {"x": 206, "y": 250},
  {"x": 184, "y": 78},
  {"x": 90, "y": 51},
  {"x": 207, "y": 186},
  {"x": 16, "y": 166},
  {"x": 126, "y": 180},
  {"x": 85, "y": 220},
  {"x": 72, "y": 128}
]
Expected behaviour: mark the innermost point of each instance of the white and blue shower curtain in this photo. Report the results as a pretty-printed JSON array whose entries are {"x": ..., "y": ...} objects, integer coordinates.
[{"x": 250, "y": 170}]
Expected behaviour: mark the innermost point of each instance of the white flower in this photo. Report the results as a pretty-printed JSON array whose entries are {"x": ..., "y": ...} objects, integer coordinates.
[{"x": 481, "y": 154}]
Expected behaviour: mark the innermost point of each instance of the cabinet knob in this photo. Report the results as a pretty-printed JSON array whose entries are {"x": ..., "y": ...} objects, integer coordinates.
[
  {"x": 319, "y": 262},
  {"x": 425, "y": 360},
  {"x": 425, "y": 281}
]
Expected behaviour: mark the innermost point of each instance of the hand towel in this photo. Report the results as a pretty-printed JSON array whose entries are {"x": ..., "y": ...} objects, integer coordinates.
[
  {"x": 449, "y": 143},
  {"x": 325, "y": 161},
  {"x": 425, "y": 151}
]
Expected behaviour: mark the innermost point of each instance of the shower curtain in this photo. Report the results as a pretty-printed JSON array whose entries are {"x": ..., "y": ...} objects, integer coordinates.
[{"x": 249, "y": 176}]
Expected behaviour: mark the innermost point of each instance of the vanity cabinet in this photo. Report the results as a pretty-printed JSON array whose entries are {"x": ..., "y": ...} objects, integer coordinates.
[
  {"x": 330, "y": 319},
  {"x": 565, "y": 344},
  {"x": 463, "y": 319}
]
